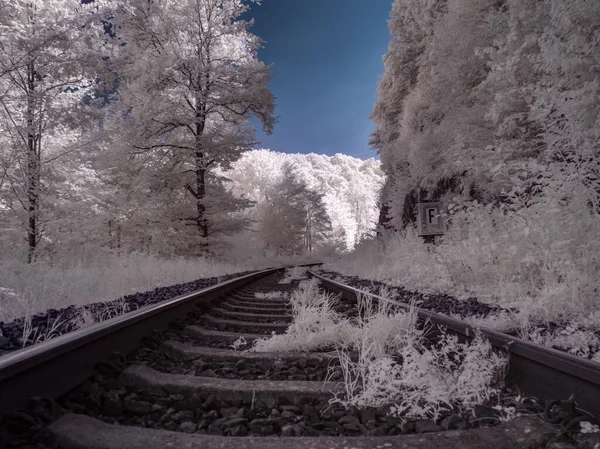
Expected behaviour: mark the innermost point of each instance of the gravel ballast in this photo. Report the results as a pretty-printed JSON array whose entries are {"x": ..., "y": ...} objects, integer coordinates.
[{"x": 62, "y": 321}]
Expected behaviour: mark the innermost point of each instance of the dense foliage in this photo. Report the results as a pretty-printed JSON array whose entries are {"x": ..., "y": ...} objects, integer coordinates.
[
  {"x": 492, "y": 107},
  {"x": 348, "y": 189}
]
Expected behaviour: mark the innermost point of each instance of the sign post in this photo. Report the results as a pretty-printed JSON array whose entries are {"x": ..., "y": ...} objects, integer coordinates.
[{"x": 430, "y": 221}]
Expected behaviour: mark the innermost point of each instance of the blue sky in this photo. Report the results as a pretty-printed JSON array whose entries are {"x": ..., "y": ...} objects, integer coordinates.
[{"x": 327, "y": 56}]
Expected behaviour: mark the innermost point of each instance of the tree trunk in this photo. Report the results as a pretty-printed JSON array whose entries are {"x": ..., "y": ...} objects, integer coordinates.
[
  {"x": 33, "y": 166},
  {"x": 201, "y": 220},
  {"x": 201, "y": 193}
]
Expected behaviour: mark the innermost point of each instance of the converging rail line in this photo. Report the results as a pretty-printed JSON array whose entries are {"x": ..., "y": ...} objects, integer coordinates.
[{"x": 169, "y": 375}]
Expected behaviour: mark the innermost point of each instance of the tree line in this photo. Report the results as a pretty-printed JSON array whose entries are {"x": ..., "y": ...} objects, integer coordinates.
[{"x": 114, "y": 116}]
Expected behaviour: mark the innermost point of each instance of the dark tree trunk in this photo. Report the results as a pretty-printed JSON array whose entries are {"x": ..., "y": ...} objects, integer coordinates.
[
  {"x": 33, "y": 167},
  {"x": 201, "y": 220},
  {"x": 201, "y": 193}
]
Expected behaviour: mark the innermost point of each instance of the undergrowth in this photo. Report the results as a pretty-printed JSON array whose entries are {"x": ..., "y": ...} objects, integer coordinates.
[
  {"x": 386, "y": 359},
  {"x": 35, "y": 288},
  {"x": 315, "y": 324},
  {"x": 535, "y": 255},
  {"x": 294, "y": 274}
]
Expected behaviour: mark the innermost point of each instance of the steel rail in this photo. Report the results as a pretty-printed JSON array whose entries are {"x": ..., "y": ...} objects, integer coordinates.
[
  {"x": 534, "y": 369},
  {"x": 54, "y": 367}
]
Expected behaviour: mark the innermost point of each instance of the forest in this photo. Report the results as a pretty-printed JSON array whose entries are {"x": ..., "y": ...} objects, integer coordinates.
[{"x": 127, "y": 144}]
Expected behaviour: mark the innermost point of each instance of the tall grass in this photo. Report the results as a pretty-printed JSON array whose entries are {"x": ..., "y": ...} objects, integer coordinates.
[
  {"x": 30, "y": 289},
  {"x": 539, "y": 256},
  {"x": 315, "y": 324},
  {"x": 395, "y": 363}
]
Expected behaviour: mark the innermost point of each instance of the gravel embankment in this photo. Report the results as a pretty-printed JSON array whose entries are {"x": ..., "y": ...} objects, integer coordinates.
[
  {"x": 440, "y": 303},
  {"x": 55, "y": 322}
]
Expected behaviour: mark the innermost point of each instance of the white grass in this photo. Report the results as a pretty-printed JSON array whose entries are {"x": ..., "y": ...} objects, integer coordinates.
[
  {"x": 238, "y": 344},
  {"x": 428, "y": 380},
  {"x": 315, "y": 324},
  {"x": 294, "y": 274},
  {"x": 38, "y": 287},
  {"x": 577, "y": 341},
  {"x": 396, "y": 366}
]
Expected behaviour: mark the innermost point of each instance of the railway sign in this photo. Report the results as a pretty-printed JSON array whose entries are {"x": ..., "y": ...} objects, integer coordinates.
[{"x": 430, "y": 220}]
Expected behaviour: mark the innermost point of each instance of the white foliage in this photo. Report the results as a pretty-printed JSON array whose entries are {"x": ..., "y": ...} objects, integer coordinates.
[
  {"x": 315, "y": 324},
  {"x": 294, "y": 274},
  {"x": 420, "y": 380},
  {"x": 350, "y": 186}
]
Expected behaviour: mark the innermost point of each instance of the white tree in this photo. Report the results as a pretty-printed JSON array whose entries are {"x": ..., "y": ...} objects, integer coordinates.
[
  {"x": 191, "y": 82},
  {"x": 568, "y": 66},
  {"x": 349, "y": 186},
  {"x": 47, "y": 68},
  {"x": 294, "y": 219}
]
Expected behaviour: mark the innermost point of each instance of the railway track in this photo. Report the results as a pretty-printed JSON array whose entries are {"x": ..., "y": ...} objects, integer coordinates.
[{"x": 168, "y": 375}]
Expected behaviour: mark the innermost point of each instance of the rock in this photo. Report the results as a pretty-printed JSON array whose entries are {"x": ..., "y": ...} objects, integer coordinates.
[
  {"x": 170, "y": 425},
  {"x": 112, "y": 406},
  {"x": 393, "y": 431},
  {"x": 287, "y": 431},
  {"x": 204, "y": 423},
  {"x": 427, "y": 426},
  {"x": 191, "y": 403},
  {"x": 5, "y": 343},
  {"x": 384, "y": 410},
  {"x": 262, "y": 429},
  {"x": 212, "y": 415},
  {"x": 354, "y": 411},
  {"x": 301, "y": 363},
  {"x": 290, "y": 408},
  {"x": 349, "y": 422},
  {"x": 560, "y": 446},
  {"x": 214, "y": 428},
  {"x": 226, "y": 412},
  {"x": 208, "y": 373},
  {"x": 378, "y": 432},
  {"x": 283, "y": 401},
  {"x": 211, "y": 403},
  {"x": 288, "y": 415},
  {"x": 451, "y": 422},
  {"x": 349, "y": 419},
  {"x": 368, "y": 418},
  {"x": 177, "y": 397},
  {"x": 185, "y": 415},
  {"x": 486, "y": 414},
  {"x": 407, "y": 427},
  {"x": 234, "y": 422},
  {"x": 311, "y": 432},
  {"x": 187, "y": 427},
  {"x": 310, "y": 413},
  {"x": 330, "y": 425},
  {"x": 238, "y": 431},
  {"x": 259, "y": 404},
  {"x": 241, "y": 365},
  {"x": 137, "y": 407},
  {"x": 92, "y": 403}
]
